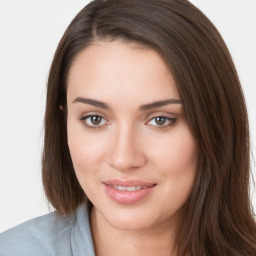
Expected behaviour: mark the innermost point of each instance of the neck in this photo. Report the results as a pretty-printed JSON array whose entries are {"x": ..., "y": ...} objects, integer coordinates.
[{"x": 111, "y": 241}]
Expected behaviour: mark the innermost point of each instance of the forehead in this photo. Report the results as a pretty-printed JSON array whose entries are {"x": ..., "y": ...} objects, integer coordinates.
[{"x": 108, "y": 69}]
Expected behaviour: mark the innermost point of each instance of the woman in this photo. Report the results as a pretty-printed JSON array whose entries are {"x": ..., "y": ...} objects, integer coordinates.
[{"x": 146, "y": 139}]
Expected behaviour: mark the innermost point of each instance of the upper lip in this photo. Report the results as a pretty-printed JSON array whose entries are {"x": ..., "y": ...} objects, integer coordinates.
[{"x": 128, "y": 183}]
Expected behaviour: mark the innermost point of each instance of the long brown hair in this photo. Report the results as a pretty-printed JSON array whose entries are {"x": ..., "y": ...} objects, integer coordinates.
[{"x": 217, "y": 219}]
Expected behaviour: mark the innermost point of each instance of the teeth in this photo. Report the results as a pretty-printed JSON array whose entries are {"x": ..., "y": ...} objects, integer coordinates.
[{"x": 121, "y": 188}]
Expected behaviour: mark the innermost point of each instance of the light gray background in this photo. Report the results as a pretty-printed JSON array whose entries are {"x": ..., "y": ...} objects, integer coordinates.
[{"x": 29, "y": 33}]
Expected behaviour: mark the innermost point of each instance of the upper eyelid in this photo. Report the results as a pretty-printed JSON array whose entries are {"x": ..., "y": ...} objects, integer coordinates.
[
  {"x": 161, "y": 114},
  {"x": 84, "y": 115},
  {"x": 151, "y": 116}
]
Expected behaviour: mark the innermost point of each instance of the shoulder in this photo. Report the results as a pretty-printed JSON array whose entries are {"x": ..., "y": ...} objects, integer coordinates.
[{"x": 49, "y": 234}]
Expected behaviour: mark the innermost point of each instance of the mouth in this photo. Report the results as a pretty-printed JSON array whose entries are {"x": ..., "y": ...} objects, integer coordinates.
[
  {"x": 123, "y": 188},
  {"x": 128, "y": 191}
]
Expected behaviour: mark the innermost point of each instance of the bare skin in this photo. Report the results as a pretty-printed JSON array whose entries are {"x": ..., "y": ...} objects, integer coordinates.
[
  {"x": 116, "y": 133},
  {"x": 136, "y": 242}
]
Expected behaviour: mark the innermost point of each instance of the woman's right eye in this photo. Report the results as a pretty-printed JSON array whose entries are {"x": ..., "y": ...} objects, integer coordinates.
[{"x": 93, "y": 121}]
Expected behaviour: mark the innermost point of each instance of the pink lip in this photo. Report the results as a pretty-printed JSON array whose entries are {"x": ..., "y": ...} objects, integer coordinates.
[
  {"x": 127, "y": 183},
  {"x": 127, "y": 197}
]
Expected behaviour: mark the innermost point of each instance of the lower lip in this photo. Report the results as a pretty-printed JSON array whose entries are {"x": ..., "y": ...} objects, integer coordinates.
[{"x": 127, "y": 197}]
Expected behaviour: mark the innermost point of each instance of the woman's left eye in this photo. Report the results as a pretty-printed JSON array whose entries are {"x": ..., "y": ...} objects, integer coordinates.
[{"x": 161, "y": 121}]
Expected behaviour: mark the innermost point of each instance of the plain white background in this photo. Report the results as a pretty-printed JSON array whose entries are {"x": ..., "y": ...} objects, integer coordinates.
[{"x": 29, "y": 33}]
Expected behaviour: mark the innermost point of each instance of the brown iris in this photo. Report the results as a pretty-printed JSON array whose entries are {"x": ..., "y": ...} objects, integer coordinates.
[
  {"x": 160, "y": 120},
  {"x": 95, "y": 120}
]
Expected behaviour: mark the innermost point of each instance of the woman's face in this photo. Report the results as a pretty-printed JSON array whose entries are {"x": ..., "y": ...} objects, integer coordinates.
[{"x": 130, "y": 144}]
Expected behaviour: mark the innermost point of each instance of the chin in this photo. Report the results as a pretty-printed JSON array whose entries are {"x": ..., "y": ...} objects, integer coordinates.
[
  {"x": 130, "y": 219},
  {"x": 130, "y": 223}
]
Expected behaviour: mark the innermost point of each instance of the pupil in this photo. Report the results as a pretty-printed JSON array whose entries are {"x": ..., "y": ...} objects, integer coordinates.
[
  {"x": 95, "y": 120},
  {"x": 160, "y": 120}
]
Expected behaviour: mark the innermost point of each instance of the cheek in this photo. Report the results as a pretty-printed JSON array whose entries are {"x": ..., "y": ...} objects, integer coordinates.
[
  {"x": 177, "y": 160},
  {"x": 86, "y": 156},
  {"x": 177, "y": 154},
  {"x": 86, "y": 152}
]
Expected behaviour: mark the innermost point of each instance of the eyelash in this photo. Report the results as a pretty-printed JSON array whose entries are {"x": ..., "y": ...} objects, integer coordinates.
[
  {"x": 171, "y": 122},
  {"x": 83, "y": 119}
]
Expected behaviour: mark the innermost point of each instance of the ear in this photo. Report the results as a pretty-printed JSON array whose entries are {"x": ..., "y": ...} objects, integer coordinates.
[{"x": 61, "y": 108}]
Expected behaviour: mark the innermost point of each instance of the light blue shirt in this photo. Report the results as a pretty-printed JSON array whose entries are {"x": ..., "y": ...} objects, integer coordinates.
[{"x": 50, "y": 235}]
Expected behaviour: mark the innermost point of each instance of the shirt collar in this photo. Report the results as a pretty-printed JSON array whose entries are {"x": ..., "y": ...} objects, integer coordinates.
[{"x": 81, "y": 238}]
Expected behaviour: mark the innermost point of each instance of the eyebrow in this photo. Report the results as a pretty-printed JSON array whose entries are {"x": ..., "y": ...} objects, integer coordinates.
[
  {"x": 92, "y": 102},
  {"x": 160, "y": 103},
  {"x": 144, "y": 107}
]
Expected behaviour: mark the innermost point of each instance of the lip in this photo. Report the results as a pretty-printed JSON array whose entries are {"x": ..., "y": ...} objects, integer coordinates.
[
  {"x": 127, "y": 183},
  {"x": 128, "y": 197}
]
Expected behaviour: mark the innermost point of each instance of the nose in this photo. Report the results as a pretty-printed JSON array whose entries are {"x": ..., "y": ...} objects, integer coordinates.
[{"x": 126, "y": 153}]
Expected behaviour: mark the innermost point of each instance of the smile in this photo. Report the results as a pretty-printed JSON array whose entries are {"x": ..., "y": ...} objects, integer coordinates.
[
  {"x": 135, "y": 188},
  {"x": 128, "y": 191}
]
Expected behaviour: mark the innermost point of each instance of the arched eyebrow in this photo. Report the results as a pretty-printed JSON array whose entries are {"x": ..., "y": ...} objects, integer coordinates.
[
  {"x": 92, "y": 102},
  {"x": 144, "y": 107},
  {"x": 158, "y": 104}
]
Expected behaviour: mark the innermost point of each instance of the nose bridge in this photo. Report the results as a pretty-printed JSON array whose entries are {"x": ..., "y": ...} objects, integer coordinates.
[{"x": 125, "y": 152}]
